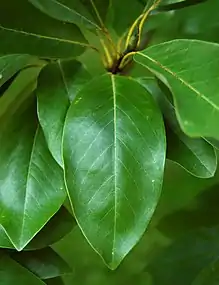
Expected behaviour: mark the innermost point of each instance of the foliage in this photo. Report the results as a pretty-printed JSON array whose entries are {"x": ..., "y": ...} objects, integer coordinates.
[{"x": 109, "y": 111}]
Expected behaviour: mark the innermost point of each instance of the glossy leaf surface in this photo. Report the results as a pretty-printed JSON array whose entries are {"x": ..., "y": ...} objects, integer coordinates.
[
  {"x": 57, "y": 85},
  {"x": 193, "y": 82},
  {"x": 193, "y": 154},
  {"x": 13, "y": 273},
  {"x": 113, "y": 185},
  {"x": 32, "y": 186},
  {"x": 29, "y": 31},
  {"x": 44, "y": 263}
]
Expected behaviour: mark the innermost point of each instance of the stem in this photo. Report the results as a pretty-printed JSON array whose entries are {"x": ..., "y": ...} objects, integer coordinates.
[
  {"x": 131, "y": 30},
  {"x": 144, "y": 18},
  {"x": 103, "y": 27},
  {"x": 108, "y": 57},
  {"x": 125, "y": 57}
]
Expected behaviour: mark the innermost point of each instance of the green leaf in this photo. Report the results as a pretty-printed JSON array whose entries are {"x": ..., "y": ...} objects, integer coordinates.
[
  {"x": 29, "y": 31},
  {"x": 44, "y": 263},
  {"x": 176, "y": 5},
  {"x": 32, "y": 186},
  {"x": 80, "y": 12},
  {"x": 57, "y": 85},
  {"x": 114, "y": 153},
  {"x": 186, "y": 257},
  {"x": 13, "y": 273},
  {"x": 56, "y": 228},
  {"x": 22, "y": 87},
  {"x": 190, "y": 69},
  {"x": 11, "y": 64},
  {"x": 195, "y": 155}
]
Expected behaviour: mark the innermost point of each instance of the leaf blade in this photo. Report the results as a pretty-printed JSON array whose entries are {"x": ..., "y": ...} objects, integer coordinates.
[
  {"x": 36, "y": 34},
  {"x": 193, "y": 82},
  {"x": 53, "y": 100},
  {"x": 101, "y": 186}
]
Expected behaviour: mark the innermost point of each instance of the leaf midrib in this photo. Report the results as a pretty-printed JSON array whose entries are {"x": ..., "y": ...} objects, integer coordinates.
[
  {"x": 115, "y": 165},
  {"x": 43, "y": 37},
  {"x": 21, "y": 246},
  {"x": 185, "y": 83}
]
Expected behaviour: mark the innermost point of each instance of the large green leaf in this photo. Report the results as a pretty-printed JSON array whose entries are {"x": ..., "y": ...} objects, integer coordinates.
[
  {"x": 29, "y": 31},
  {"x": 57, "y": 85},
  {"x": 11, "y": 64},
  {"x": 12, "y": 273},
  {"x": 32, "y": 186},
  {"x": 114, "y": 153},
  {"x": 57, "y": 227},
  {"x": 80, "y": 12},
  {"x": 194, "y": 154},
  {"x": 190, "y": 69},
  {"x": 44, "y": 263}
]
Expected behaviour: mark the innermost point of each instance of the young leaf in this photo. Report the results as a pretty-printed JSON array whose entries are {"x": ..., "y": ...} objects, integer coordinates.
[
  {"x": 13, "y": 273},
  {"x": 190, "y": 69},
  {"x": 44, "y": 263},
  {"x": 57, "y": 85},
  {"x": 114, "y": 153},
  {"x": 32, "y": 186},
  {"x": 193, "y": 154},
  {"x": 57, "y": 227},
  {"x": 77, "y": 11},
  {"x": 27, "y": 30}
]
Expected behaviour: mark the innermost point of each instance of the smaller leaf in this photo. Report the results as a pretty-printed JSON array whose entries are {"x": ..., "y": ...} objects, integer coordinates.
[
  {"x": 44, "y": 263},
  {"x": 13, "y": 273},
  {"x": 11, "y": 64},
  {"x": 176, "y": 5},
  {"x": 194, "y": 155},
  {"x": 57, "y": 85},
  {"x": 177, "y": 64},
  {"x": 21, "y": 88}
]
